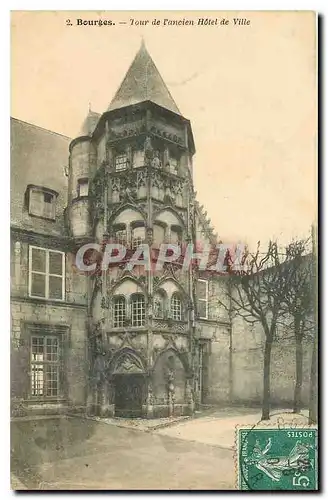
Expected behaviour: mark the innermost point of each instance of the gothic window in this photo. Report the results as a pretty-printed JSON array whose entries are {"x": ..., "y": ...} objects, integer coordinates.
[
  {"x": 174, "y": 164},
  {"x": 141, "y": 184},
  {"x": 119, "y": 311},
  {"x": 156, "y": 162},
  {"x": 83, "y": 187},
  {"x": 46, "y": 273},
  {"x": 138, "y": 236},
  {"x": 178, "y": 194},
  {"x": 176, "y": 235},
  {"x": 178, "y": 200},
  {"x": 138, "y": 159},
  {"x": 138, "y": 310},
  {"x": 121, "y": 162},
  {"x": 158, "y": 234},
  {"x": 120, "y": 234},
  {"x": 159, "y": 305},
  {"x": 115, "y": 196},
  {"x": 202, "y": 298},
  {"x": 45, "y": 366},
  {"x": 41, "y": 202},
  {"x": 176, "y": 307}
]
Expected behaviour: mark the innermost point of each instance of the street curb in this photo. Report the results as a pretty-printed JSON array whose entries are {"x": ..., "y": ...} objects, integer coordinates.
[
  {"x": 170, "y": 424},
  {"x": 162, "y": 425}
]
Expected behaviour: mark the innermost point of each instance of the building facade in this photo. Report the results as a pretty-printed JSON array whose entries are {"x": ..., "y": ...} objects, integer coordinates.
[{"x": 122, "y": 341}]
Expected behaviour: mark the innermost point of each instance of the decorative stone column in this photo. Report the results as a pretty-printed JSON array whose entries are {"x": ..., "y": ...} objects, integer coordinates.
[
  {"x": 104, "y": 410},
  {"x": 171, "y": 393},
  {"x": 90, "y": 402},
  {"x": 149, "y": 236},
  {"x": 110, "y": 406},
  {"x": 150, "y": 399},
  {"x": 189, "y": 397}
]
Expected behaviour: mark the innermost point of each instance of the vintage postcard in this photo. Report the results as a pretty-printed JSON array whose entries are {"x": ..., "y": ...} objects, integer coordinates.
[{"x": 164, "y": 251}]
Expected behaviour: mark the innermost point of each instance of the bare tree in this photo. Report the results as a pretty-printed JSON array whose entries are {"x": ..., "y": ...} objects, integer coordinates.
[
  {"x": 298, "y": 305},
  {"x": 313, "y": 403},
  {"x": 256, "y": 294}
]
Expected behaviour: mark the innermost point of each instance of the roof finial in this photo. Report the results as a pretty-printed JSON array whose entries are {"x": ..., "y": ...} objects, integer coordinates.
[
  {"x": 143, "y": 44},
  {"x": 89, "y": 106}
]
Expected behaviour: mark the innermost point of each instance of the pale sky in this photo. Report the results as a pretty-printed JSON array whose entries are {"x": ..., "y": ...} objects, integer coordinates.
[{"x": 249, "y": 92}]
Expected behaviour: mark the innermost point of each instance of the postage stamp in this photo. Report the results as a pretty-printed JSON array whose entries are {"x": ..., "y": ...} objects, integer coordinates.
[{"x": 277, "y": 459}]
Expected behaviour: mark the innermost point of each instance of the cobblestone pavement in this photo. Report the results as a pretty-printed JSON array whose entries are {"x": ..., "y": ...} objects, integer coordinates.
[
  {"x": 218, "y": 428},
  {"x": 83, "y": 454},
  {"x": 116, "y": 454}
]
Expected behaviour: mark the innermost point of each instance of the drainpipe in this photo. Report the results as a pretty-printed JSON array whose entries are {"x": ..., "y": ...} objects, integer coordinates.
[{"x": 230, "y": 344}]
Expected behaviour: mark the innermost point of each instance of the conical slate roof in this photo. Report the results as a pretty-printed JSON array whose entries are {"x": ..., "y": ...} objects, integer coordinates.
[
  {"x": 143, "y": 83},
  {"x": 89, "y": 123}
]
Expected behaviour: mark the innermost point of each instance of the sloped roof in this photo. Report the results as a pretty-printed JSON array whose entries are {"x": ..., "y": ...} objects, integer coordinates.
[
  {"x": 38, "y": 156},
  {"x": 205, "y": 226},
  {"x": 143, "y": 82},
  {"x": 89, "y": 123}
]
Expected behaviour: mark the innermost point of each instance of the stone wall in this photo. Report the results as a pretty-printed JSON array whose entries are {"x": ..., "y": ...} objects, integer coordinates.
[
  {"x": 247, "y": 361},
  {"x": 32, "y": 316},
  {"x": 28, "y": 318},
  {"x": 235, "y": 360}
]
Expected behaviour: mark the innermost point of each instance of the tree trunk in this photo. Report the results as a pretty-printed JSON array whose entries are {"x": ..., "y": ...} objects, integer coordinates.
[
  {"x": 266, "y": 379},
  {"x": 313, "y": 403},
  {"x": 299, "y": 368}
]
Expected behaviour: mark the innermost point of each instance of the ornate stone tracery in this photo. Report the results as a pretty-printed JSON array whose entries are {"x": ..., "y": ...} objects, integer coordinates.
[
  {"x": 128, "y": 363},
  {"x": 150, "y": 178}
]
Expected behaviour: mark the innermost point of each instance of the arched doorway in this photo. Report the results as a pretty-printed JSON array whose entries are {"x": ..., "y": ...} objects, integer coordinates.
[{"x": 130, "y": 387}]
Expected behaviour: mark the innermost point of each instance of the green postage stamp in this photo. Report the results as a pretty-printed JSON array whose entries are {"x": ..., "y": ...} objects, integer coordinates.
[{"x": 277, "y": 459}]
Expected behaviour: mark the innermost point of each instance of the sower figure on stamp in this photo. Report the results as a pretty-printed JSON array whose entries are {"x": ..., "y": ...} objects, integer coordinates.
[{"x": 275, "y": 466}]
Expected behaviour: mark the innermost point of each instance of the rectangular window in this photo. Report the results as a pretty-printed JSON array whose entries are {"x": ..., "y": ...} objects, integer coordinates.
[
  {"x": 138, "y": 237},
  {"x": 121, "y": 162},
  {"x": 175, "y": 235},
  {"x": 119, "y": 312},
  {"x": 176, "y": 308},
  {"x": 202, "y": 298},
  {"x": 138, "y": 311},
  {"x": 41, "y": 203},
  {"x": 121, "y": 237},
  {"x": 46, "y": 273},
  {"x": 48, "y": 198},
  {"x": 83, "y": 187},
  {"x": 45, "y": 366},
  {"x": 174, "y": 166}
]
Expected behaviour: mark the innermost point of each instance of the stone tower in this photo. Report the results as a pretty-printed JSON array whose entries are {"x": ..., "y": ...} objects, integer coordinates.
[{"x": 130, "y": 182}]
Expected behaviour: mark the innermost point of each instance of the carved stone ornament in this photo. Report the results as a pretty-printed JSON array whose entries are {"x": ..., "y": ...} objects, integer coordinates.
[
  {"x": 156, "y": 162},
  {"x": 149, "y": 151},
  {"x": 128, "y": 364}
]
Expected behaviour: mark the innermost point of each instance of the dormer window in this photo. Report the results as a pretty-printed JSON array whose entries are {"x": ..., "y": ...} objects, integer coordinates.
[
  {"x": 41, "y": 201},
  {"x": 121, "y": 162},
  {"x": 48, "y": 198},
  {"x": 83, "y": 187}
]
